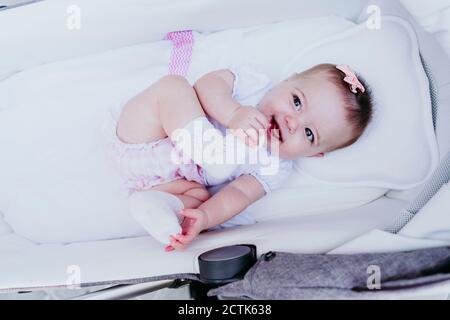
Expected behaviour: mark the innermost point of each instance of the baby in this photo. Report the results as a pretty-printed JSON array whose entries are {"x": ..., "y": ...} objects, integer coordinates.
[{"x": 307, "y": 115}]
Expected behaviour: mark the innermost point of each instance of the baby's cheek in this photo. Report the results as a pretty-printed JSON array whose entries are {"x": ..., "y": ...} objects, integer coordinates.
[
  {"x": 271, "y": 105},
  {"x": 291, "y": 151}
]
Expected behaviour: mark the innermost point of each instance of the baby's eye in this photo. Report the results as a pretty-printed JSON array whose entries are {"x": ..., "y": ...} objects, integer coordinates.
[
  {"x": 297, "y": 103},
  {"x": 309, "y": 135}
]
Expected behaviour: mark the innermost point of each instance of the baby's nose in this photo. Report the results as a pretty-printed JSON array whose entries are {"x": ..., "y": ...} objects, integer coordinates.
[{"x": 291, "y": 123}]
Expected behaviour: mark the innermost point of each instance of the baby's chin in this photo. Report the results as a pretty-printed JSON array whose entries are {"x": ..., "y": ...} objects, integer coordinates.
[
  {"x": 276, "y": 146},
  {"x": 276, "y": 149},
  {"x": 285, "y": 154}
]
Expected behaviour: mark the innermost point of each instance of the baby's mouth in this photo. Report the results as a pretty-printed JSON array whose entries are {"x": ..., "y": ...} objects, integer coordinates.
[{"x": 274, "y": 129}]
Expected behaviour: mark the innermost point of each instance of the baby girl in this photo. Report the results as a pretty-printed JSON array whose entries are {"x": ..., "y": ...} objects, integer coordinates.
[{"x": 307, "y": 115}]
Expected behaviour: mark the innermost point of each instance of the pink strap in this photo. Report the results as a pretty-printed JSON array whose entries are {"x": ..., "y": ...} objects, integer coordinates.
[{"x": 180, "y": 59}]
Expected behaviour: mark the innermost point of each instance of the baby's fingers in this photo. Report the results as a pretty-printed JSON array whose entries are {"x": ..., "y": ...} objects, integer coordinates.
[
  {"x": 255, "y": 124},
  {"x": 177, "y": 245},
  {"x": 260, "y": 130},
  {"x": 242, "y": 135},
  {"x": 189, "y": 214},
  {"x": 261, "y": 118},
  {"x": 184, "y": 239},
  {"x": 252, "y": 135}
]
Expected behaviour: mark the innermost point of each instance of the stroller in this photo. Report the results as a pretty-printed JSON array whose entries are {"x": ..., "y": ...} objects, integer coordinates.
[{"x": 119, "y": 261}]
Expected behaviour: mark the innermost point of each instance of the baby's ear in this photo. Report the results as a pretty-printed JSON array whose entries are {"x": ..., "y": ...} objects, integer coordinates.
[
  {"x": 319, "y": 155},
  {"x": 292, "y": 77}
]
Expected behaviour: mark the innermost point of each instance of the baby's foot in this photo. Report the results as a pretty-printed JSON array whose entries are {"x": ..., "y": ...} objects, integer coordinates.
[{"x": 157, "y": 212}]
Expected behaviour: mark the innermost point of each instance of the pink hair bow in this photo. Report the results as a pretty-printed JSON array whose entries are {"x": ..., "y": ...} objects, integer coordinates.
[{"x": 351, "y": 78}]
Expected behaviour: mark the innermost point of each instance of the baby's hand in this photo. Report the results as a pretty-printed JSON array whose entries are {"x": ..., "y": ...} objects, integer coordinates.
[
  {"x": 246, "y": 123},
  {"x": 195, "y": 221}
]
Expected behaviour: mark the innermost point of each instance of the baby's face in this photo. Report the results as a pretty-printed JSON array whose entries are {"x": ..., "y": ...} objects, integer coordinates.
[{"x": 309, "y": 114}]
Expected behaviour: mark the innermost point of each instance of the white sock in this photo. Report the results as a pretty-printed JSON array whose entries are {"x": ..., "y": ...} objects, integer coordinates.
[
  {"x": 208, "y": 138},
  {"x": 157, "y": 212}
]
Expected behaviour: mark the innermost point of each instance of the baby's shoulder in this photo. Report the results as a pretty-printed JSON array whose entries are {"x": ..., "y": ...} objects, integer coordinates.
[{"x": 250, "y": 83}]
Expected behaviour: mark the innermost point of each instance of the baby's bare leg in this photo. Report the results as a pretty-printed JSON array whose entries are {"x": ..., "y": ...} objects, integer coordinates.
[{"x": 154, "y": 114}]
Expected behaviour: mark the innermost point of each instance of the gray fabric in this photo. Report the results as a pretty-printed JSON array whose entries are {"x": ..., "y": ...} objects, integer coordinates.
[
  {"x": 407, "y": 293},
  {"x": 400, "y": 222},
  {"x": 190, "y": 276},
  {"x": 24, "y": 3},
  {"x": 306, "y": 276},
  {"x": 433, "y": 91},
  {"x": 440, "y": 177}
]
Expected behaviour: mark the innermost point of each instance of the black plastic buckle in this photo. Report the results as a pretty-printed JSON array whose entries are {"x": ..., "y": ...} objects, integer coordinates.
[{"x": 226, "y": 264}]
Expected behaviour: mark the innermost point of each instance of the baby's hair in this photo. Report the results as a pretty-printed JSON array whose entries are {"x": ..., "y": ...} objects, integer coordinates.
[{"x": 359, "y": 105}]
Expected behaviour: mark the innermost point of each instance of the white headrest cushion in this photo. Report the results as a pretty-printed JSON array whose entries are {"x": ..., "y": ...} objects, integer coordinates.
[{"x": 398, "y": 149}]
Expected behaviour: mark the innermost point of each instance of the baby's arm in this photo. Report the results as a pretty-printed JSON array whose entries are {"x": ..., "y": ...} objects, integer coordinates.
[
  {"x": 232, "y": 200},
  {"x": 215, "y": 91},
  {"x": 228, "y": 202}
]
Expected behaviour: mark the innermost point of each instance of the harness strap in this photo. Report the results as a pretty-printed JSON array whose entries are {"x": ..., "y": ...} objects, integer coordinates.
[{"x": 180, "y": 59}]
